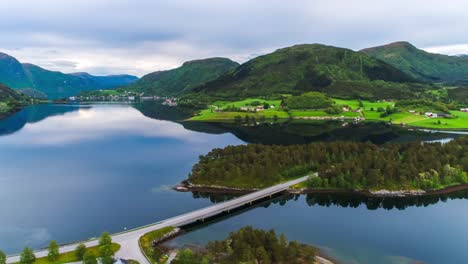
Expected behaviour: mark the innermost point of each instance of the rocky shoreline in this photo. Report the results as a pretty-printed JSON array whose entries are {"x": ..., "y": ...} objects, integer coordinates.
[
  {"x": 215, "y": 189},
  {"x": 174, "y": 233}
]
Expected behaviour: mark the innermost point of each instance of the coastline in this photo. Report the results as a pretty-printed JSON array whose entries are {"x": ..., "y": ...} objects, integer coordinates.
[{"x": 211, "y": 189}]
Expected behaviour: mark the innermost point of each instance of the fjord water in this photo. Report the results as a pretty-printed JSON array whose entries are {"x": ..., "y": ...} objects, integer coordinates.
[{"x": 68, "y": 173}]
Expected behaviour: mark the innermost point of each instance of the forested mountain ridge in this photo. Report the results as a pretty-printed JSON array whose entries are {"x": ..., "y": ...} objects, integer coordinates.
[
  {"x": 184, "y": 78},
  {"x": 53, "y": 83},
  {"x": 421, "y": 64},
  {"x": 311, "y": 67}
]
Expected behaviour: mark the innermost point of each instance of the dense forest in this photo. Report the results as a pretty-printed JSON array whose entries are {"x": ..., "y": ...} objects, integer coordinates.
[
  {"x": 249, "y": 245},
  {"x": 345, "y": 165}
]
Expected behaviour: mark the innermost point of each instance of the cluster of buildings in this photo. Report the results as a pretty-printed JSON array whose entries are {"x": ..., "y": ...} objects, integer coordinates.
[
  {"x": 254, "y": 108},
  {"x": 127, "y": 97},
  {"x": 102, "y": 98},
  {"x": 434, "y": 115},
  {"x": 169, "y": 101}
]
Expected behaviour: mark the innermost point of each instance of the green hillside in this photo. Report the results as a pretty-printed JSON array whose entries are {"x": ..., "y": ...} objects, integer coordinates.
[
  {"x": 12, "y": 73},
  {"x": 9, "y": 100},
  {"x": 183, "y": 79},
  {"x": 55, "y": 84},
  {"x": 421, "y": 64},
  {"x": 312, "y": 67},
  {"x": 52, "y": 83}
]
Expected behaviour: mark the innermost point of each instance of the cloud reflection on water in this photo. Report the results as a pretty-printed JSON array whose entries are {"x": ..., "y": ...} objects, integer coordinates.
[{"x": 98, "y": 122}]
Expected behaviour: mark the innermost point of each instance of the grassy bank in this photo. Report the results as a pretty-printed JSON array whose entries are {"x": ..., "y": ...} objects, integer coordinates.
[
  {"x": 154, "y": 255},
  {"x": 72, "y": 256}
]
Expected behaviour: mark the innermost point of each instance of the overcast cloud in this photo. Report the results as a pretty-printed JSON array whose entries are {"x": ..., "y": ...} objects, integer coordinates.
[{"x": 141, "y": 36}]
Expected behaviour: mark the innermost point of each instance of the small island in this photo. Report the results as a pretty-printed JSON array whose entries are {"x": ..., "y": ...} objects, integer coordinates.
[{"x": 389, "y": 170}]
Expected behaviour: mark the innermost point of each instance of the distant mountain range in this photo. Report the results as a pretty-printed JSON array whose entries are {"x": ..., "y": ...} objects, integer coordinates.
[
  {"x": 312, "y": 67},
  {"x": 396, "y": 70},
  {"x": 52, "y": 83},
  {"x": 421, "y": 64},
  {"x": 184, "y": 78}
]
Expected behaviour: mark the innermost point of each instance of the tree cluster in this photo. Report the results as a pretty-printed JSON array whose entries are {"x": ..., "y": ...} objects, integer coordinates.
[
  {"x": 346, "y": 165},
  {"x": 249, "y": 245},
  {"x": 310, "y": 100}
]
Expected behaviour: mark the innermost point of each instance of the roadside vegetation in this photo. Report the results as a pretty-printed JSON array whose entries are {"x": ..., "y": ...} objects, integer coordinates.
[
  {"x": 155, "y": 253},
  {"x": 2, "y": 257},
  {"x": 249, "y": 245},
  {"x": 340, "y": 165},
  {"x": 104, "y": 252}
]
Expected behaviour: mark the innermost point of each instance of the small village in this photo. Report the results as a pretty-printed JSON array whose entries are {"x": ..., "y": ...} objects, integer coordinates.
[{"x": 125, "y": 97}]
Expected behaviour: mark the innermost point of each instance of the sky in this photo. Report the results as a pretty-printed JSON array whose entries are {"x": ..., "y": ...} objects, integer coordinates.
[{"x": 141, "y": 36}]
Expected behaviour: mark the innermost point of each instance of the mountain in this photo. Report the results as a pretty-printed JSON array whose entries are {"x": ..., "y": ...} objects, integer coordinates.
[
  {"x": 107, "y": 82},
  {"x": 12, "y": 72},
  {"x": 310, "y": 67},
  {"x": 183, "y": 79},
  {"x": 53, "y": 83},
  {"x": 421, "y": 64}
]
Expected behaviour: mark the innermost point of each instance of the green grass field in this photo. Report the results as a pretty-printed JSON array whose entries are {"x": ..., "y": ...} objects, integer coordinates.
[
  {"x": 71, "y": 256},
  {"x": 460, "y": 121},
  {"x": 210, "y": 115},
  {"x": 367, "y": 105},
  {"x": 369, "y": 111},
  {"x": 320, "y": 113},
  {"x": 246, "y": 102}
]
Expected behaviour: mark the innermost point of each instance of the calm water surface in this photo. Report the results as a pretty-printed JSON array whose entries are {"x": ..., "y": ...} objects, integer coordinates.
[{"x": 67, "y": 173}]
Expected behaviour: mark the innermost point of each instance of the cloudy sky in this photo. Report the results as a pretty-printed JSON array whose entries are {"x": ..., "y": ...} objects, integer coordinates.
[{"x": 141, "y": 36}]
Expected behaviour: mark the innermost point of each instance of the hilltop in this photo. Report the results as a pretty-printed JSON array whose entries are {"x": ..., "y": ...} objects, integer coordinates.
[
  {"x": 54, "y": 84},
  {"x": 312, "y": 67},
  {"x": 421, "y": 64},
  {"x": 184, "y": 78}
]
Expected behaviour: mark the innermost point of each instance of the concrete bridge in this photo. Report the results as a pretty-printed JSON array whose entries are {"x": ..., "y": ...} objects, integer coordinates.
[{"x": 129, "y": 239}]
